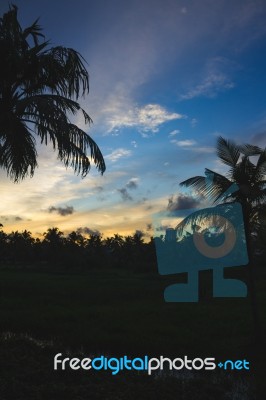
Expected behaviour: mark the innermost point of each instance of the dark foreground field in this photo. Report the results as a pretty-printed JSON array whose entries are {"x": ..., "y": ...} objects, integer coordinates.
[{"x": 116, "y": 313}]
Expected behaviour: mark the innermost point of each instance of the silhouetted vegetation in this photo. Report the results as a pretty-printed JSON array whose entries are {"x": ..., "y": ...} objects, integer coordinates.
[
  {"x": 39, "y": 89},
  {"x": 75, "y": 252},
  {"x": 248, "y": 179}
]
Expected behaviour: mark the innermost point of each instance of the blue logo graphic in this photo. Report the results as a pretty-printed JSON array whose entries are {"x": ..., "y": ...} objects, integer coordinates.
[{"x": 214, "y": 239}]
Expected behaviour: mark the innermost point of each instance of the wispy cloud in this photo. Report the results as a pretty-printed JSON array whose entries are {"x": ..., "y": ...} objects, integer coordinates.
[
  {"x": 132, "y": 183},
  {"x": 124, "y": 194},
  {"x": 174, "y": 133},
  {"x": 184, "y": 143},
  {"x": 216, "y": 78},
  {"x": 211, "y": 85},
  {"x": 117, "y": 154},
  {"x": 134, "y": 144},
  {"x": 194, "y": 122},
  {"x": 5, "y": 218}
]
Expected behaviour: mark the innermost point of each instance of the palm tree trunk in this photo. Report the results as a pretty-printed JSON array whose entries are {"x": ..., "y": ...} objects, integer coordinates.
[{"x": 251, "y": 280}]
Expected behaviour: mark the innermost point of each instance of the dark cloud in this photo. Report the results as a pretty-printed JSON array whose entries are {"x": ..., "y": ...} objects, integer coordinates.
[
  {"x": 149, "y": 227},
  {"x": 139, "y": 233},
  {"x": 10, "y": 218},
  {"x": 124, "y": 194},
  {"x": 132, "y": 184},
  {"x": 149, "y": 207},
  {"x": 182, "y": 202},
  {"x": 88, "y": 231},
  {"x": 162, "y": 228},
  {"x": 63, "y": 211}
]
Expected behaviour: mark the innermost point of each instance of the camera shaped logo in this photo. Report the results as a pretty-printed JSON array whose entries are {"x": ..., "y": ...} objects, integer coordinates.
[{"x": 214, "y": 239}]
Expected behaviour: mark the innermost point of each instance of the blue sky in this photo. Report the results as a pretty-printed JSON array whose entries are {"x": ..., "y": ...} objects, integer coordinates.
[{"x": 166, "y": 78}]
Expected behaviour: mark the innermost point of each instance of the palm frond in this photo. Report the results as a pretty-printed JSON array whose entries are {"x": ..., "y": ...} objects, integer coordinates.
[
  {"x": 212, "y": 186},
  {"x": 198, "y": 218},
  {"x": 260, "y": 170},
  {"x": 17, "y": 151},
  {"x": 34, "y": 31},
  {"x": 74, "y": 76},
  {"x": 197, "y": 182},
  {"x": 39, "y": 87},
  {"x": 227, "y": 151},
  {"x": 250, "y": 150}
]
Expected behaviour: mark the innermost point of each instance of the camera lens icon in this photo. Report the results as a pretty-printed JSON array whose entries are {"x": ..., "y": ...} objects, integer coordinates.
[{"x": 220, "y": 225}]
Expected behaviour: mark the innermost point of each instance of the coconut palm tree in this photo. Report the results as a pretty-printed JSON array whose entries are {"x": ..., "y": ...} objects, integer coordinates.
[
  {"x": 249, "y": 178},
  {"x": 39, "y": 89}
]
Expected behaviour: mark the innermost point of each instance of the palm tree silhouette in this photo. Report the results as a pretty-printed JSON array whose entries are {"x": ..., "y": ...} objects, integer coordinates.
[
  {"x": 250, "y": 184},
  {"x": 39, "y": 88},
  {"x": 249, "y": 180}
]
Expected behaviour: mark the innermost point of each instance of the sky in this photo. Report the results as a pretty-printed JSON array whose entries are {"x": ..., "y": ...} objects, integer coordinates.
[{"x": 167, "y": 77}]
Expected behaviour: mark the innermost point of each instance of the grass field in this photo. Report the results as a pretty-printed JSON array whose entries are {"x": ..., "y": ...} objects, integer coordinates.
[{"x": 117, "y": 313}]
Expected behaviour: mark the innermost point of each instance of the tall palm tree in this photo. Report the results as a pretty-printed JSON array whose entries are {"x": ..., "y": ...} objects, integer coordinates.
[
  {"x": 39, "y": 88},
  {"x": 249, "y": 178}
]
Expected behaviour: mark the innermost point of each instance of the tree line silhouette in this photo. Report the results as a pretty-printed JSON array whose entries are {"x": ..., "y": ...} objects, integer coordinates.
[{"x": 76, "y": 251}]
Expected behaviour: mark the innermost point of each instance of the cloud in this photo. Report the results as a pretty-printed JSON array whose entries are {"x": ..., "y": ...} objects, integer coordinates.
[
  {"x": 173, "y": 133},
  {"x": 182, "y": 202},
  {"x": 194, "y": 122},
  {"x": 124, "y": 194},
  {"x": 10, "y": 218},
  {"x": 117, "y": 154},
  {"x": 132, "y": 183},
  {"x": 88, "y": 231},
  {"x": 63, "y": 211},
  {"x": 204, "y": 149},
  {"x": 184, "y": 143},
  {"x": 134, "y": 144},
  {"x": 139, "y": 233},
  {"x": 215, "y": 79},
  {"x": 161, "y": 228},
  {"x": 149, "y": 227},
  {"x": 210, "y": 87},
  {"x": 146, "y": 119},
  {"x": 153, "y": 115}
]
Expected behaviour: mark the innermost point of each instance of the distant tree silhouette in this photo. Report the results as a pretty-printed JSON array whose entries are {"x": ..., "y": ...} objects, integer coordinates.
[
  {"x": 53, "y": 245},
  {"x": 39, "y": 88},
  {"x": 75, "y": 252}
]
